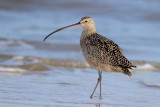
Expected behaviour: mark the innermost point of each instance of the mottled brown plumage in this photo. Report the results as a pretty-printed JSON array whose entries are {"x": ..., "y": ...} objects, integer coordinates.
[{"x": 100, "y": 52}]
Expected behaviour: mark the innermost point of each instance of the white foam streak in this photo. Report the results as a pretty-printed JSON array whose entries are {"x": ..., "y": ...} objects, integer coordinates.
[
  {"x": 13, "y": 70},
  {"x": 146, "y": 66}
]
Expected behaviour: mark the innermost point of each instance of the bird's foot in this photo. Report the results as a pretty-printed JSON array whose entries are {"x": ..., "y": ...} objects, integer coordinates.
[
  {"x": 91, "y": 97},
  {"x": 100, "y": 97}
]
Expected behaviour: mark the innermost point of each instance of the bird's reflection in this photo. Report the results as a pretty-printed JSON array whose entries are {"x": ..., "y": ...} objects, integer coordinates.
[{"x": 98, "y": 105}]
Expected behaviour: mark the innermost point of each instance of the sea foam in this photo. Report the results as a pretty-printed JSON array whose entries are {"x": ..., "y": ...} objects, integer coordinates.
[
  {"x": 146, "y": 66},
  {"x": 13, "y": 70}
]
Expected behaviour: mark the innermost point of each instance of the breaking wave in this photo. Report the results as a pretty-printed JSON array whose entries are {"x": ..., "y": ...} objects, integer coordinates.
[
  {"x": 32, "y": 63},
  {"x": 18, "y": 60}
]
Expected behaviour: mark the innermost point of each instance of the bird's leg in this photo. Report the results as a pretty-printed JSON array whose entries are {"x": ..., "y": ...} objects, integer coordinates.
[
  {"x": 100, "y": 76},
  {"x": 99, "y": 72}
]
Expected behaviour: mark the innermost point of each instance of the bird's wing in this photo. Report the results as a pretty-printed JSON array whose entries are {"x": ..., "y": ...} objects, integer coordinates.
[{"x": 109, "y": 52}]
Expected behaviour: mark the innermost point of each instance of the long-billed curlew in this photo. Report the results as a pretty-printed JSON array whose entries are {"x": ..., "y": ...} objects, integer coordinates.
[{"x": 100, "y": 52}]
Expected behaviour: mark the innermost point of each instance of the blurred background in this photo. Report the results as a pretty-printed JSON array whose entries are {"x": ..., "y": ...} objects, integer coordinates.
[{"x": 59, "y": 63}]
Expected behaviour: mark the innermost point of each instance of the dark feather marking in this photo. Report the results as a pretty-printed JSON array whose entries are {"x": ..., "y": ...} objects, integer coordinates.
[{"x": 104, "y": 50}]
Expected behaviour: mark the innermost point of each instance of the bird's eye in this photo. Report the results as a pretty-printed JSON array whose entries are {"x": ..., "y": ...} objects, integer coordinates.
[{"x": 86, "y": 21}]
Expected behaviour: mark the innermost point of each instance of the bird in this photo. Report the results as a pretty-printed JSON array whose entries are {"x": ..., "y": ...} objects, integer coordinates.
[{"x": 99, "y": 52}]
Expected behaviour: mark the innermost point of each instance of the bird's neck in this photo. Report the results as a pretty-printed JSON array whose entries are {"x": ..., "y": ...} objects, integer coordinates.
[{"x": 88, "y": 31}]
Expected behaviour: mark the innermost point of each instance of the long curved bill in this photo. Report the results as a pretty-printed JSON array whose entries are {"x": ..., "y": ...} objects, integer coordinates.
[{"x": 77, "y": 24}]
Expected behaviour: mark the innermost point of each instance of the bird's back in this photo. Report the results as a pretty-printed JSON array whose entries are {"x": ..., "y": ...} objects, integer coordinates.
[{"x": 103, "y": 54}]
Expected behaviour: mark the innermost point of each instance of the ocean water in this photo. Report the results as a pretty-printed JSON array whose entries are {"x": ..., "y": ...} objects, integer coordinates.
[{"x": 54, "y": 73}]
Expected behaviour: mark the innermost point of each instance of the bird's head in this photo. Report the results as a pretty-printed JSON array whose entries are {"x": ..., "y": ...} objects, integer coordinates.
[{"x": 86, "y": 22}]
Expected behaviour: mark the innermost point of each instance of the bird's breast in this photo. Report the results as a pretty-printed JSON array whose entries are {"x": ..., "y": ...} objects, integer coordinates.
[{"x": 90, "y": 51}]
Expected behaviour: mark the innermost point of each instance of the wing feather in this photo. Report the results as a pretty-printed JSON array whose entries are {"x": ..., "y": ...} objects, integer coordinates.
[{"x": 106, "y": 51}]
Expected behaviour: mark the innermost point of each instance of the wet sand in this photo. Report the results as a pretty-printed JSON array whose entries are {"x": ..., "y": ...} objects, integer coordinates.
[{"x": 68, "y": 87}]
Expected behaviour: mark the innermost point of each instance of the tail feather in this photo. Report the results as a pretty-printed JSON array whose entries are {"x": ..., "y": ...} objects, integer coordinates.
[
  {"x": 126, "y": 71},
  {"x": 134, "y": 66}
]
